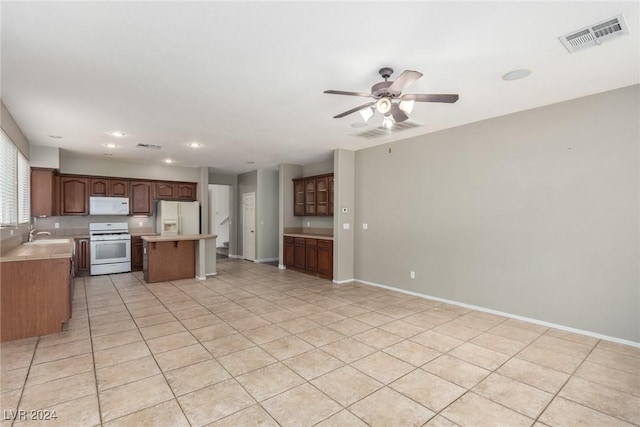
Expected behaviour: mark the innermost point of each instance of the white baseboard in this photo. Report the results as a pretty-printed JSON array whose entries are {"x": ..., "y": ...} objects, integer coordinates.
[
  {"x": 215, "y": 273},
  {"x": 282, "y": 267},
  {"x": 342, "y": 282},
  {"x": 201, "y": 278},
  {"x": 263, "y": 260},
  {"x": 501, "y": 313},
  {"x": 236, "y": 256}
]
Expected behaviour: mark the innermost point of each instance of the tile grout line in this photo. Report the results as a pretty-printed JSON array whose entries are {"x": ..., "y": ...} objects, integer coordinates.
[
  {"x": 24, "y": 385},
  {"x": 93, "y": 358}
]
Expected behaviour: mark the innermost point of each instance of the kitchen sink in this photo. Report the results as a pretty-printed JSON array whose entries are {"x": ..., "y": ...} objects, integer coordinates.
[{"x": 48, "y": 241}]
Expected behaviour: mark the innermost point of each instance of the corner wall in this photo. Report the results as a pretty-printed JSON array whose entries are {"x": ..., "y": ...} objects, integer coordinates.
[{"x": 534, "y": 214}]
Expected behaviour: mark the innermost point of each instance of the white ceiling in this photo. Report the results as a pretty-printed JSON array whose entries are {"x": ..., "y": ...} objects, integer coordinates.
[{"x": 246, "y": 78}]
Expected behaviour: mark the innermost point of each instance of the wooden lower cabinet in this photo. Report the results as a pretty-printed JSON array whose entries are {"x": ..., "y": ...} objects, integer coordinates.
[
  {"x": 289, "y": 250},
  {"x": 83, "y": 257},
  {"x": 137, "y": 253},
  {"x": 312, "y": 256},
  {"x": 169, "y": 260},
  {"x": 36, "y": 297}
]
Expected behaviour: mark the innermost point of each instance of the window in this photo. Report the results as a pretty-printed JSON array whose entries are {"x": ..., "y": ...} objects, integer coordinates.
[{"x": 14, "y": 184}]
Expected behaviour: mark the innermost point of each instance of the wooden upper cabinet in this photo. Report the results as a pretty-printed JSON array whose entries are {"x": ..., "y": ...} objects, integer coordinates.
[
  {"x": 313, "y": 195},
  {"x": 331, "y": 186},
  {"x": 99, "y": 186},
  {"x": 109, "y": 187},
  {"x": 166, "y": 191},
  {"x": 140, "y": 200},
  {"x": 42, "y": 192},
  {"x": 74, "y": 195},
  {"x": 298, "y": 197},
  {"x": 118, "y": 188},
  {"x": 186, "y": 190},
  {"x": 309, "y": 196}
]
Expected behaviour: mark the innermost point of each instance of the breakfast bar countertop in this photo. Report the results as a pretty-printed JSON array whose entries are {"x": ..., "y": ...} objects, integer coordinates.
[{"x": 178, "y": 237}]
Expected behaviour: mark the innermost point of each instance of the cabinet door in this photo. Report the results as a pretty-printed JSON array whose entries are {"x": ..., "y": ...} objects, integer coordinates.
[
  {"x": 141, "y": 198},
  {"x": 186, "y": 191},
  {"x": 298, "y": 197},
  {"x": 331, "y": 184},
  {"x": 299, "y": 255},
  {"x": 322, "y": 196},
  {"x": 325, "y": 258},
  {"x": 289, "y": 251},
  {"x": 310, "y": 197},
  {"x": 118, "y": 188},
  {"x": 83, "y": 258},
  {"x": 311, "y": 255},
  {"x": 166, "y": 191},
  {"x": 99, "y": 187},
  {"x": 42, "y": 192},
  {"x": 137, "y": 253},
  {"x": 74, "y": 195}
]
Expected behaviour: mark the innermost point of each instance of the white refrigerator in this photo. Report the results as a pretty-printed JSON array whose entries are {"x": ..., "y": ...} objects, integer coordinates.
[{"x": 173, "y": 218}]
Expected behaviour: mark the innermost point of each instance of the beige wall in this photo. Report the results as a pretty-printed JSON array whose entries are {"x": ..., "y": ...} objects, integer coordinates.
[
  {"x": 534, "y": 214},
  {"x": 73, "y": 163},
  {"x": 267, "y": 196},
  {"x": 10, "y": 127},
  {"x": 343, "y": 239}
]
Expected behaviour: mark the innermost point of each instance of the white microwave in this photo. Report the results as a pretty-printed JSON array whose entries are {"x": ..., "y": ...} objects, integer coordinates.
[{"x": 108, "y": 206}]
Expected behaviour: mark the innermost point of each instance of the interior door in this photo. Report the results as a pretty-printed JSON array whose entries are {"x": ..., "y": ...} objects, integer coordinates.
[{"x": 249, "y": 226}]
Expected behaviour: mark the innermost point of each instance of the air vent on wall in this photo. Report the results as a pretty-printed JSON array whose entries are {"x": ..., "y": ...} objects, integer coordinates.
[
  {"x": 382, "y": 131},
  {"x": 155, "y": 147},
  {"x": 595, "y": 34}
]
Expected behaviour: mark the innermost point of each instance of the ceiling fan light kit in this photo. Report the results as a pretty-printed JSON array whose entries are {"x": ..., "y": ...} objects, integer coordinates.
[{"x": 390, "y": 101}]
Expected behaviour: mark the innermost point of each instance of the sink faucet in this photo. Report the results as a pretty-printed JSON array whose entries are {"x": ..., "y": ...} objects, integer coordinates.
[{"x": 34, "y": 233}]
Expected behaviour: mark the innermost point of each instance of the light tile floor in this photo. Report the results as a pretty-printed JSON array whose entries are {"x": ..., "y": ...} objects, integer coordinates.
[{"x": 259, "y": 346}]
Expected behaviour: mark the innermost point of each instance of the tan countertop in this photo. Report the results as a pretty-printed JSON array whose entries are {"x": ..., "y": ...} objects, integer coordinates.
[
  {"x": 29, "y": 251},
  {"x": 157, "y": 238},
  {"x": 309, "y": 236}
]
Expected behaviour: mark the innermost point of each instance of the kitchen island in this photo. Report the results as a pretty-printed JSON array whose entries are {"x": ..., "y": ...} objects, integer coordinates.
[{"x": 170, "y": 257}]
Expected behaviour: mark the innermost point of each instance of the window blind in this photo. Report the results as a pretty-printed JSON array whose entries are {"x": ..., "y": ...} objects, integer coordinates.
[
  {"x": 8, "y": 181},
  {"x": 24, "y": 189}
]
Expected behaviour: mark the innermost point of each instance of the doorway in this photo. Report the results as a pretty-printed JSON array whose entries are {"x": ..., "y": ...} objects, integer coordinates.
[
  {"x": 249, "y": 226},
  {"x": 220, "y": 217}
]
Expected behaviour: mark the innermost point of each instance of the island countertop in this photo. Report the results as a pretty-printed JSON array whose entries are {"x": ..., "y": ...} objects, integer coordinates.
[{"x": 178, "y": 237}]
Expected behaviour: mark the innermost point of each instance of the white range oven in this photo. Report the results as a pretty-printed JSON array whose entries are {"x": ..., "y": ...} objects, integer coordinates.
[{"x": 110, "y": 248}]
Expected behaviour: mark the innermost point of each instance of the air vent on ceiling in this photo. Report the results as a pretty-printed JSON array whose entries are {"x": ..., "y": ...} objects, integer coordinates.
[
  {"x": 155, "y": 147},
  {"x": 382, "y": 131},
  {"x": 595, "y": 34}
]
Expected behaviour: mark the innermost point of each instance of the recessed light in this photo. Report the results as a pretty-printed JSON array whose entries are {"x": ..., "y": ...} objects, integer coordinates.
[
  {"x": 55, "y": 136},
  {"x": 194, "y": 144},
  {"x": 111, "y": 145},
  {"x": 117, "y": 133},
  {"x": 168, "y": 161},
  {"x": 518, "y": 74}
]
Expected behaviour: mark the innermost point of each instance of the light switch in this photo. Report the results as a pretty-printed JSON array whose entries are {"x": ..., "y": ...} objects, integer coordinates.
[
  {"x": 346, "y": 226},
  {"x": 365, "y": 226}
]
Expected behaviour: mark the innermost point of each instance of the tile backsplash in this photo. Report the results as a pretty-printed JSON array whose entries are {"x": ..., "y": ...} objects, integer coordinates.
[{"x": 79, "y": 225}]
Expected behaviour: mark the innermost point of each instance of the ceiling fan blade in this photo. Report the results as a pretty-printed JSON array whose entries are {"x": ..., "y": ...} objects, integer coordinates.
[
  {"x": 424, "y": 97},
  {"x": 397, "y": 114},
  {"x": 405, "y": 79},
  {"x": 353, "y": 110},
  {"x": 342, "y": 92}
]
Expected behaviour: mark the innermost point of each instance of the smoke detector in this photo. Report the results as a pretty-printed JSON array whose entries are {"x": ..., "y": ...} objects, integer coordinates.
[{"x": 595, "y": 34}]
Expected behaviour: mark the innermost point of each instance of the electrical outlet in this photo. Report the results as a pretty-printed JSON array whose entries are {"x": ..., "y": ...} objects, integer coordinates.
[
  {"x": 56, "y": 225},
  {"x": 308, "y": 223},
  {"x": 365, "y": 226},
  {"x": 139, "y": 223},
  {"x": 412, "y": 274},
  {"x": 10, "y": 232}
]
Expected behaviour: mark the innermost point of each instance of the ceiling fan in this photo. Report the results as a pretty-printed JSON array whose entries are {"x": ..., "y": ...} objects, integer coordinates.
[{"x": 390, "y": 101}]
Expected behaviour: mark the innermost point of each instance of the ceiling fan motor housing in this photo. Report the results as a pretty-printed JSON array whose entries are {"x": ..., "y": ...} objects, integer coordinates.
[{"x": 381, "y": 90}]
